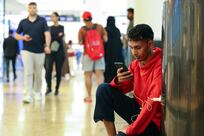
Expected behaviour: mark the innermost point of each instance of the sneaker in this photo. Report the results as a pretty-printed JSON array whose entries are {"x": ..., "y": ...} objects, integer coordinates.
[
  {"x": 27, "y": 100},
  {"x": 38, "y": 97},
  {"x": 49, "y": 91},
  {"x": 56, "y": 92}
]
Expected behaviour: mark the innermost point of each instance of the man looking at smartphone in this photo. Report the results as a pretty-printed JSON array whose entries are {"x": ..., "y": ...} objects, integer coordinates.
[
  {"x": 36, "y": 40},
  {"x": 142, "y": 113}
]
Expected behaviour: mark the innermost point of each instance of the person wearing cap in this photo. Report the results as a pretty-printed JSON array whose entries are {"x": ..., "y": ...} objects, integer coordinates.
[
  {"x": 143, "y": 113},
  {"x": 90, "y": 66}
]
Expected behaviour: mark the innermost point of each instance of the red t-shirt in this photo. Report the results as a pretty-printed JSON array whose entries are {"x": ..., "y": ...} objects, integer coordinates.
[{"x": 146, "y": 84}]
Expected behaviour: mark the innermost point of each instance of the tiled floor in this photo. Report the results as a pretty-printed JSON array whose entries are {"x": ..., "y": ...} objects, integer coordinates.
[{"x": 64, "y": 115}]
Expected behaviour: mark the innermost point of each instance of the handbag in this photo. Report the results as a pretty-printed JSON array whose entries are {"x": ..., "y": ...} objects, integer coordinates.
[{"x": 55, "y": 46}]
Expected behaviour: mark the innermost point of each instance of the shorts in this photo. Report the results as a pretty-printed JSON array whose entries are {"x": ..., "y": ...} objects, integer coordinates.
[{"x": 90, "y": 65}]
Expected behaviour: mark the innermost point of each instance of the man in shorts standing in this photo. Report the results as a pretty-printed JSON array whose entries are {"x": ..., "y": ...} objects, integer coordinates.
[{"x": 91, "y": 66}]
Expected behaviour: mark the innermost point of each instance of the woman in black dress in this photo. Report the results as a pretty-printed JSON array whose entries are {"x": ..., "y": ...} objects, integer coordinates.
[
  {"x": 113, "y": 49},
  {"x": 57, "y": 54}
]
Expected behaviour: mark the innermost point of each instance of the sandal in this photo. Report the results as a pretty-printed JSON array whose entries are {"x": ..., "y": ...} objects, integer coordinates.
[{"x": 87, "y": 100}]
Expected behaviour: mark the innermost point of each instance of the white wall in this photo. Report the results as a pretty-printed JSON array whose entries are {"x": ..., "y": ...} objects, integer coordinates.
[{"x": 148, "y": 12}]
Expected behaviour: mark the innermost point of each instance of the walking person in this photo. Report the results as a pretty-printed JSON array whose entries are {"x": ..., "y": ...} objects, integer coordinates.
[
  {"x": 11, "y": 50},
  {"x": 113, "y": 49},
  {"x": 36, "y": 40},
  {"x": 57, "y": 54},
  {"x": 92, "y": 37}
]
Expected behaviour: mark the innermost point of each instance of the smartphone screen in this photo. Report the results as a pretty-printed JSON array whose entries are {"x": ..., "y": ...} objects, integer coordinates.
[{"x": 121, "y": 65}]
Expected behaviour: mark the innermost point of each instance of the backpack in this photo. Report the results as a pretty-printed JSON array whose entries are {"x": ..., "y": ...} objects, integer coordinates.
[{"x": 93, "y": 43}]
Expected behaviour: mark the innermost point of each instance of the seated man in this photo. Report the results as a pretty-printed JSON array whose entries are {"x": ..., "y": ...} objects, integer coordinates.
[{"x": 143, "y": 113}]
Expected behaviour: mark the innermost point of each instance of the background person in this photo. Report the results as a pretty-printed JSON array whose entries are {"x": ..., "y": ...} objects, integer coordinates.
[
  {"x": 11, "y": 50},
  {"x": 57, "y": 54},
  {"x": 113, "y": 49},
  {"x": 128, "y": 56},
  {"x": 90, "y": 66},
  {"x": 36, "y": 41}
]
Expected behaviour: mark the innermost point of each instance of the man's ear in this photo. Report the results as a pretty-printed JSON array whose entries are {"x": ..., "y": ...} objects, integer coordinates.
[{"x": 151, "y": 44}]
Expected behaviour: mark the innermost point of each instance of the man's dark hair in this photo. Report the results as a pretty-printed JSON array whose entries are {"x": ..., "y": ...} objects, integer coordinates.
[
  {"x": 130, "y": 10},
  {"x": 141, "y": 32},
  {"x": 32, "y": 4}
]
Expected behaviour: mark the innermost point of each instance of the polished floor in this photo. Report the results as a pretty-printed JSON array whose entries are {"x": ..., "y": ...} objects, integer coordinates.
[{"x": 64, "y": 115}]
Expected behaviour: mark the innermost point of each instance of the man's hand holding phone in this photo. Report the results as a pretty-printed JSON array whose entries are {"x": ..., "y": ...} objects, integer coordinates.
[
  {"x": 27, "y": 38},
  {"x": 123, "y": 75}
]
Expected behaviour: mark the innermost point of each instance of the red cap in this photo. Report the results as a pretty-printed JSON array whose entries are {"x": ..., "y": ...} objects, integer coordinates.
[{"x": 86, "y": 15}]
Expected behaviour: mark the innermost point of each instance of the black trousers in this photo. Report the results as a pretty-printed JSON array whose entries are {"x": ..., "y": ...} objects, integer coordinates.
[
  {"x": 13, "y": 60},
  {"x": 58, "y": 58},
  {"x": 110, "y": 99}
]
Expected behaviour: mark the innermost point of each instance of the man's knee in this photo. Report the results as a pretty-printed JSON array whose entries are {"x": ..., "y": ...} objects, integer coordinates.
[{"x": 102, "y": 90}]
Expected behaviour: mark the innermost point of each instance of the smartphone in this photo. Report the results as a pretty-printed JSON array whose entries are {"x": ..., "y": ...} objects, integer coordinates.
[{"x": 121, "y": 65}]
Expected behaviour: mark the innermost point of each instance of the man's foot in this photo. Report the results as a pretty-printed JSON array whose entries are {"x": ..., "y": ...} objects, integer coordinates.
[
  {"x": 27, "y": 100},
  {"x": 56, "y": 92},
  {"x": 87, "y": 100},
  {"x": 49, "y": 91}
]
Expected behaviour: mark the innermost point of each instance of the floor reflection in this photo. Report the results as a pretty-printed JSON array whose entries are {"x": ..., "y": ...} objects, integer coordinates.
[{"x": 64, "y": 115}]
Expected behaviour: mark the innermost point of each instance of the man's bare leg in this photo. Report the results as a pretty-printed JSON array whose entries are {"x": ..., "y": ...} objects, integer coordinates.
[
  {"x": 88, "y": 83},
  {"x": 110, "y": 128},
  {"x": 99, "y": 76}
]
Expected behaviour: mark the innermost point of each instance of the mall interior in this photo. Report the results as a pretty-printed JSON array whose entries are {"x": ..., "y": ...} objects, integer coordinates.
[{"x": 178, "y": 29}]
